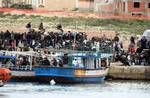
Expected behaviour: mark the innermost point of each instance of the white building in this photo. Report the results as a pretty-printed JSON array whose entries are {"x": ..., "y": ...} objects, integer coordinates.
[{"x": 45, "y": 4}]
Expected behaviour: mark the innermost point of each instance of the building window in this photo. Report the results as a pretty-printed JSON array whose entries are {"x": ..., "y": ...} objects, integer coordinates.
[
  {"x": 136, "y": 5},
  {"x": 42, "y": 2},
  {"x": 148, "y": 5}
]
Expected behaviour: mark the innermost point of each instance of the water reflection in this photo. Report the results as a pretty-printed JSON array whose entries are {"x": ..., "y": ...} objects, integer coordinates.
[
  {"x": 3, "y": 96},
  {"x": 109, "y": 89}
]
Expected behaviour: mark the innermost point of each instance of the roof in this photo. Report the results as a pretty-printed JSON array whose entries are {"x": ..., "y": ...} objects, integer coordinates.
[
  {"x": 86, "y": 56},
  {"x": 102, "y": 55}
]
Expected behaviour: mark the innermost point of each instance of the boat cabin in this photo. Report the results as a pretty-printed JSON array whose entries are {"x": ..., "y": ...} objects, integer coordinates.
[
  {"x": 16, "y": 60},
  {"x": 82, "y": 60}
]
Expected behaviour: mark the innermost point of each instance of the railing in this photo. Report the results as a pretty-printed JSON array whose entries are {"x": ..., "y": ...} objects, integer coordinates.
[{"x": 18, "y": 68}]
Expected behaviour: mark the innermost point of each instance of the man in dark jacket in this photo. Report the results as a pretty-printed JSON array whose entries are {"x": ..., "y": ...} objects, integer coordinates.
[
  {"x": 46, "y": 62},
  {"x": 143, "y": 42}
]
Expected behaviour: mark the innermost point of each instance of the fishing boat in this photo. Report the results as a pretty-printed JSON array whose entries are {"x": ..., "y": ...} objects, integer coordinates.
[
  {"x": 5, "y": 75},
  {"x": 9, "y": 59},
  {"x": 76, "y": 67},
  {"x": 71, "y": 67},
  {"x": 21, "y": 72}
]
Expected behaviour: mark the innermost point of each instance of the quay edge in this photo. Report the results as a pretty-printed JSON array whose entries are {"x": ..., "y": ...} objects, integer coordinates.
[{"x": 129, "y": 72}]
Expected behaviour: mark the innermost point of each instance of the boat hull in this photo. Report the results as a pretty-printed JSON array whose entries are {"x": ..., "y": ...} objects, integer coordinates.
[
  {"x": 23, "y": 76},
  {"x": 70, "y": 75},
  {"x": 71, "y": 79}
]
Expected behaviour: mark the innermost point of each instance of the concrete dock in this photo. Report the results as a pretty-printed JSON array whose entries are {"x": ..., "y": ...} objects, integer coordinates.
[{"x": 118, "y": 71}]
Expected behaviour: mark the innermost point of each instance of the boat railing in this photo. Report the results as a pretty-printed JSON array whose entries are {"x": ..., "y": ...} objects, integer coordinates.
[
  {"x": 106, "y": 55},
  {"x": 12, "y": 53},
  {"x": 18, "y": 68},
  {"x": 70, "y": 51}
]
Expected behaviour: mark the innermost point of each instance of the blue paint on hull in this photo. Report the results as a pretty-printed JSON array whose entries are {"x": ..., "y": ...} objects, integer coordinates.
[
  {"x": 65, "y": 75},
  {"x": 72, "y": 79},
  {"x": 82, "y": 80},
  {"x": 93, "y": 79}
]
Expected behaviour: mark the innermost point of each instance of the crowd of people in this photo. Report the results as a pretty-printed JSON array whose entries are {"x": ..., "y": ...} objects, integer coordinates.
[
  {"x": 41, "y": 39},
  {"x": 137, "y": 53},
  {"x": 54, "y": 40},
  {"x": 11, "y": 40}
]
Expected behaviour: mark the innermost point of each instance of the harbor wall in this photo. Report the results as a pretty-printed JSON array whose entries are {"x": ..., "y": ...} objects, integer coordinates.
[{"x": 129, "y": 72}]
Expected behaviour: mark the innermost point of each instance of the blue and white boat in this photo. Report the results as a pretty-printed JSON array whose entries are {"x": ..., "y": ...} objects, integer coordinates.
[
  {"x": 8, "y": 59},
  {"x": 78, "y": 67}
]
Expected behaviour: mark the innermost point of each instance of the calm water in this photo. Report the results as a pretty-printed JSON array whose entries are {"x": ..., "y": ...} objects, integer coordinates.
[{"x": 113, "y": 89}]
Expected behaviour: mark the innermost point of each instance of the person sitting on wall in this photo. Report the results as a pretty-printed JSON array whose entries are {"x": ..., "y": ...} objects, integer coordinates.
[{"x": 46, "y": 62}]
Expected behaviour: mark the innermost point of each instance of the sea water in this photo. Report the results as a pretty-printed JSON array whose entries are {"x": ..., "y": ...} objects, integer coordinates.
[{"x": 107, "y": 89}]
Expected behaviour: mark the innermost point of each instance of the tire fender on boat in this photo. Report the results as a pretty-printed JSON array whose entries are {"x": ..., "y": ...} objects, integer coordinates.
[
  {"x": 104, "y": 63},
  {"x": 5, "y": 74}
]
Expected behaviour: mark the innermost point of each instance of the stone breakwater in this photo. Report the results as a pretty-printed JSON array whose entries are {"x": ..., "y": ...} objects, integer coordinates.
[{"x": 129, "y": 72}]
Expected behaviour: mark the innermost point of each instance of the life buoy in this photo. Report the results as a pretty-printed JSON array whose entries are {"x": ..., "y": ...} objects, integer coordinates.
[
  {"x": 103, "y": 63},
  {"x": 5, "y": 75}
]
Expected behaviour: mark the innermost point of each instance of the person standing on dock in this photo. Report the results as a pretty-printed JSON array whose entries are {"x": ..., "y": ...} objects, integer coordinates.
[
  {"x": 131, "y": 50},
  {"x": 118, "y": 48},
  {"x": 143, "y": 42},
  {"x": 59, "y": 27},
  {"x": 29, "y": 27},
  {"x": 41, "y": 27},
  {"x": 117, "y": 44}
]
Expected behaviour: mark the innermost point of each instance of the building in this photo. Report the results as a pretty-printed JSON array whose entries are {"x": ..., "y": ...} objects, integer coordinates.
[
  {"x": 60, "y": 4},
  {"x": 134, "y": 7},
  {"x": 86, "y": 5},
  {"x": 43, "y": 4}
]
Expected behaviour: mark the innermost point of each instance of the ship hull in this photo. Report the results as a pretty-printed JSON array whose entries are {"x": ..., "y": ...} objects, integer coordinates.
[{"x": 70, "y": 75}]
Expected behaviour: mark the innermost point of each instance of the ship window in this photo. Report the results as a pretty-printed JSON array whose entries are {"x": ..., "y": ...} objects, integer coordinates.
[
  {"x": 78, "y": 62},
  {"x": 89, "y": 63},
  {"x": 136, "y": 5},
  {"x": 148, "y": 5},
  {"x": 97, "y": 63}
]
